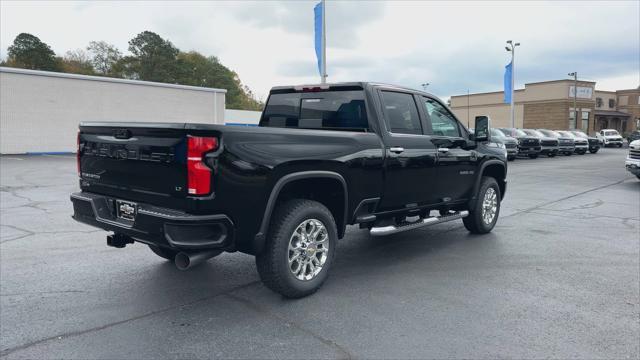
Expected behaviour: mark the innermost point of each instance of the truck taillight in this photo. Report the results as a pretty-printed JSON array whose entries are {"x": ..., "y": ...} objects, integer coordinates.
[
  {"x": 78, "y": 153},
  {"x": 198, "y": 173}
]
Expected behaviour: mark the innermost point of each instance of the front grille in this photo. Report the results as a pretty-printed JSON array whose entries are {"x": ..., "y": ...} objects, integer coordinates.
[
  {"x": 549, "y": 143},
  {"x": 510, "y": 145},
  {"x": 530, "y": 141},
  {"x": 634, "y": 154}
]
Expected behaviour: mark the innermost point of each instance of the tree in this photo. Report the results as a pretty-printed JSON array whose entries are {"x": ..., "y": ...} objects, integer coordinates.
[
  {"x": 28, "y": 52},
  {"x": 198, "y": 70},
  {"x": 76, "y": 62},
  {"x": 104, "y": 56},
  {"x": 154, "y": 58}
]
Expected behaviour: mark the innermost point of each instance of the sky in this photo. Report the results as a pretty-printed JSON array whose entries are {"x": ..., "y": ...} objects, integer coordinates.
[{"x": 455, "y": 46}]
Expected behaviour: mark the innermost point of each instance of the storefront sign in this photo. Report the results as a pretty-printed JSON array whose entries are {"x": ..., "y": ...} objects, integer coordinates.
[{"x": 583, "y": 92}]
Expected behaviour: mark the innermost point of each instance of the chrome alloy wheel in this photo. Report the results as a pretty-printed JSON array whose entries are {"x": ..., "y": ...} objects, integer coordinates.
[
  {"x": 308, "y": 249},
  {"x": 489, "y": 206}
]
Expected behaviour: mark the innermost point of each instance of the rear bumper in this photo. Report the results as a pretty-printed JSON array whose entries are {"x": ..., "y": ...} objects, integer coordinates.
[{"x": 155, "y": 225}]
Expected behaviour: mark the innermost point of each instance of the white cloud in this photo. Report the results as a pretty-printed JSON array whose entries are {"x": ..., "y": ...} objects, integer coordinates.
[{"x": 453, "y": 45}]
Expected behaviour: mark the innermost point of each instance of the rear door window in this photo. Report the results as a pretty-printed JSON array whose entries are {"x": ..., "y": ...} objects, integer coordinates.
[
  {"x": 332, "y": 110},
  {"x": 401, "y": 113}
]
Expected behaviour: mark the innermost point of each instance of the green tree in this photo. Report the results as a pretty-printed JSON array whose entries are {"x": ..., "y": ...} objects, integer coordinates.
[
  {"x": 104, "y": 57},
  {"x": 28, "y": 52},
  {"x": 153, "y": 58},
  {"x": 198, "y": 70}
]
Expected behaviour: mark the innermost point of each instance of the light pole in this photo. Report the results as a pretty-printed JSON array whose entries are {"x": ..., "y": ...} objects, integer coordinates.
[
  {"x": 468, "y": 121},
  {"x": 575, "y": 100},
  {"x": 424, "y": 86},
  {"x": 511, "y": 47}
]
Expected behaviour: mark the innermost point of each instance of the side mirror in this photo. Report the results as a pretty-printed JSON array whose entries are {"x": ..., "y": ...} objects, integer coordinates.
[{"x": 482, "y": 129}]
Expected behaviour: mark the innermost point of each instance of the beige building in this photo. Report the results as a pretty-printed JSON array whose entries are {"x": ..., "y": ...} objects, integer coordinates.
[{"x": 549, "y": 104}]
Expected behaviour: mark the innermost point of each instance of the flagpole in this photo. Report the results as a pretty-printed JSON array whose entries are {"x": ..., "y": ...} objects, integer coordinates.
[{"x": 324, "y": 45}]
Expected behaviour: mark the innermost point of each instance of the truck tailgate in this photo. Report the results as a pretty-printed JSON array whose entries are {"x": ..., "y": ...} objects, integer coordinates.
[{"x": 137, "y": 161}]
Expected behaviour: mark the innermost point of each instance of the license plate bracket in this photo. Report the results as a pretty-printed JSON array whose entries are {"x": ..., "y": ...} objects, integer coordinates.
[{"x": 126, "y": 210}]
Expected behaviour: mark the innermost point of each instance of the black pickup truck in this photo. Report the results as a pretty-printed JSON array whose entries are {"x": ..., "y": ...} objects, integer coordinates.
[{"x": 324, "y": 156}]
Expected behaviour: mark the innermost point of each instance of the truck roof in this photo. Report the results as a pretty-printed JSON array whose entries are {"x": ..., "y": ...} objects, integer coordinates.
[{"x": 362, "y": 84}]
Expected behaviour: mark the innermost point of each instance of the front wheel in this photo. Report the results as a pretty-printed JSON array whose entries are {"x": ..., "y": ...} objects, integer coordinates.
[
  {"x": 568, "y": 154},
  {"x": 619, "y": 145},
  {"x": 533, "y": 156},
  {"x": 593, "y": 151},
  {"x": 484, "y": 215},
  {"x": 551, "y": 154},
  {"x": 511, "y": 158},
  {"x": 300, "y": 248}
]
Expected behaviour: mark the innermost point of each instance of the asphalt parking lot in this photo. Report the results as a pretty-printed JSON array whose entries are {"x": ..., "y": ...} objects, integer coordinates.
[{"x": 557, "y": 278}]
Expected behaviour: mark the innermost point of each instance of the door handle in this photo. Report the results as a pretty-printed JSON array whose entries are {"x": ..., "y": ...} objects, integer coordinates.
[
  {"x": 443, "y": 150},
  {"x": 396, "y": 149}
]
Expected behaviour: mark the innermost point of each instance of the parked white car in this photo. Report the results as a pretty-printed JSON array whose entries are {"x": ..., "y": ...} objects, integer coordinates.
[
  {"x": 633, "y": 159},
  {"x": 610, "y": 137}
]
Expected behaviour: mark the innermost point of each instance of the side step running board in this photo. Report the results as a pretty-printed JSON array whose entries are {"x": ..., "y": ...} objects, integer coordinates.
[{"x": 392, "y": 229}]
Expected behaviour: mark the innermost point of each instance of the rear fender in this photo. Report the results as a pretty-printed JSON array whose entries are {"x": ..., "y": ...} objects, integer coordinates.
[{"x": 259, "y": 239}]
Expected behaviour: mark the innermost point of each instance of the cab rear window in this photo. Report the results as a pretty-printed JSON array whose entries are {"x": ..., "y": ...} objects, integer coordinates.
[{"x": 331, "y": 110}]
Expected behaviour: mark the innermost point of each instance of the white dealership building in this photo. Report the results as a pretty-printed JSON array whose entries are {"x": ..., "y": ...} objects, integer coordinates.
[{"x": 40, "y": 110}]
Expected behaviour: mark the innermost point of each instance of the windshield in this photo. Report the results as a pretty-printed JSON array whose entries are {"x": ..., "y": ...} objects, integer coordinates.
[
  {"x": 333, "y": 110},
  {"x": 579, "y": 134},
  {"x": 519, "y": 132},
  {"x": 611, "y": 133},
  {"x": 535, "y": 133},
  {"x": 549, "y": 133},
  {"x": 567, "y": 134},
  {"x": 497, "y": 133}
]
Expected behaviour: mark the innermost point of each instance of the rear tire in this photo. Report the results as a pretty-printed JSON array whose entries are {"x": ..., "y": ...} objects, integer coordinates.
[
  {"x": 287, "y": 264},
  {"x": 479, "y": 220},
  {"x": 164, "y": 252}
]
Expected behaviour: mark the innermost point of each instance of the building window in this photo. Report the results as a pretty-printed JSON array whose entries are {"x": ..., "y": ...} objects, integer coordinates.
[
  {"x": 598, "y": 102},
  {"x": 612, "y": 103},
  {"x": 572, "y": 119},
  {"x": 585, "y": 120}
]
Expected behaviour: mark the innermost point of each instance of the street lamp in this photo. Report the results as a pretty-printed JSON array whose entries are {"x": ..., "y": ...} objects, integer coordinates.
[
  {"x": 424, "y": 86},
  {"x": 511, "y": 47},
  {"x": 575, "y": 100}
]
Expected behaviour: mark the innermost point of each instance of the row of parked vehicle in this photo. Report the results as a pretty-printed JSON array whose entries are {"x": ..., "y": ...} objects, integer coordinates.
[{"x": 535, "y": 142}]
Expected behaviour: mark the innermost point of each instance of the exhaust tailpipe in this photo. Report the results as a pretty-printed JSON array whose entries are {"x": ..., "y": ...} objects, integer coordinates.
[{"x": 187, "y": 260}]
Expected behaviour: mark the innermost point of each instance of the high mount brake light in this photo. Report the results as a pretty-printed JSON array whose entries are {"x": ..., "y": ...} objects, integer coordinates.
[
  {"x": 198, "y": 173},
  {"x": 311, "y": 88}
]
